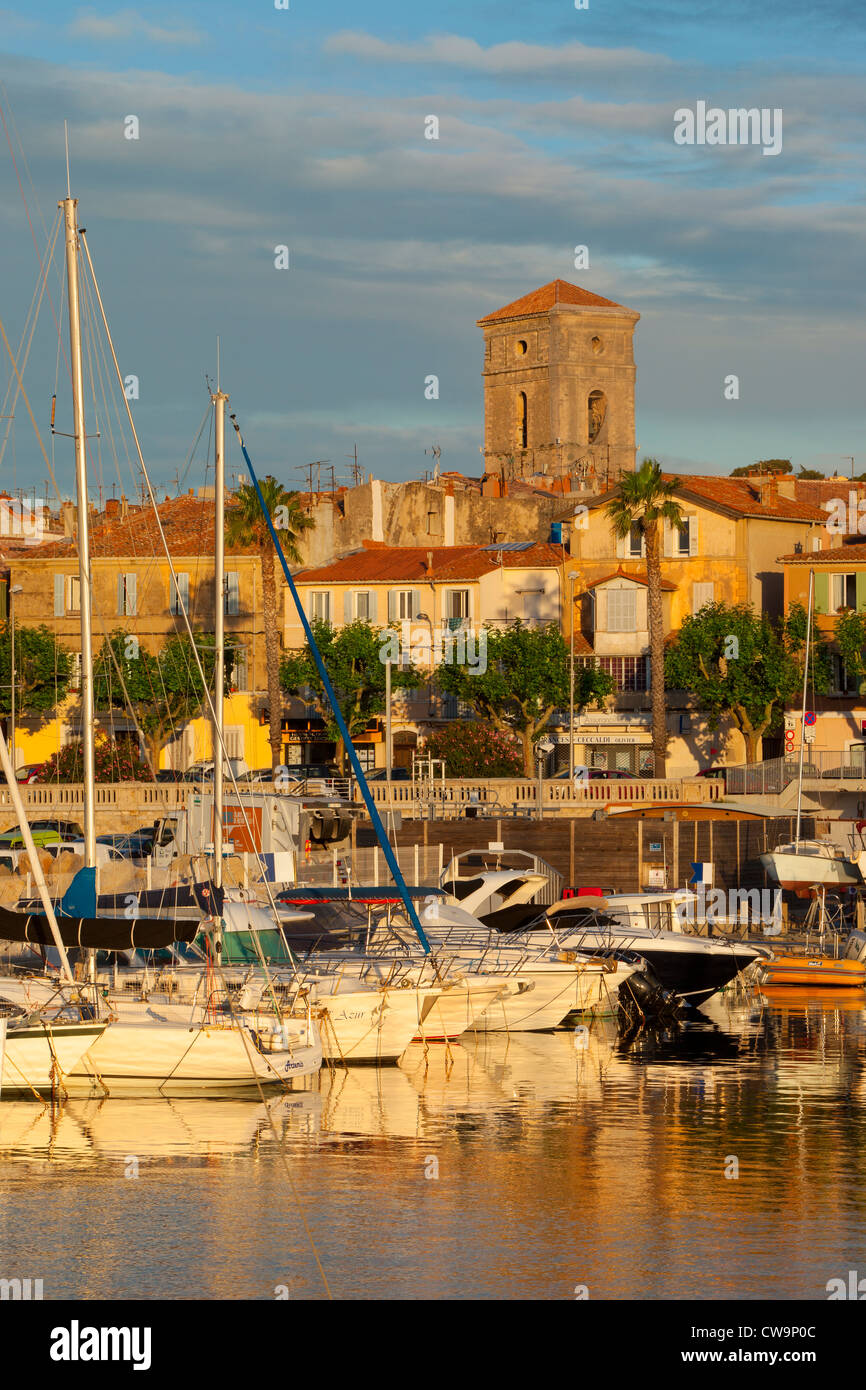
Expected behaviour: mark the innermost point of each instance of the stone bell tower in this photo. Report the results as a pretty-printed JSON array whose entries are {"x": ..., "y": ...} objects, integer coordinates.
[{"x": 559, "y": 387}]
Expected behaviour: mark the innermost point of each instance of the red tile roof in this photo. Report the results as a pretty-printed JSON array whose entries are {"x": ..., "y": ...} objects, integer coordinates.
[
  {"x": 540, "y": 301},
  {"x": 629, "y": 574},
  {"x": 739, "y": 496},
  {"x": 744, "y": 495},
  {"x": 378, "y": 564},
  {"x": 188, "y": 523},
  {"x": 838, "y": 556}
]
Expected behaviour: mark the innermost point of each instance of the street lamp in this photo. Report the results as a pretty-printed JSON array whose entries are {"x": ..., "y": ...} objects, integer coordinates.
[
  {"x": 542, "y": 748},
  {"x": 15, "y": 589}
]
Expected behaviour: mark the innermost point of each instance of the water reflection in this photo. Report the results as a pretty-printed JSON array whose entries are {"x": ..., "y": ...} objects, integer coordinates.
[{"x": 598, "y": 1158}]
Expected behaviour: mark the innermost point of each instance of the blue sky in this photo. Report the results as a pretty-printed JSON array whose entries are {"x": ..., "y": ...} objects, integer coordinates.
[{"x": 304, "y": 127}]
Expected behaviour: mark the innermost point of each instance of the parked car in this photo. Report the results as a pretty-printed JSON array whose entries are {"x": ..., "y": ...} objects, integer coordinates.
[
  {"x": 169, "y": 774},
  {"x": 714, "y": 772},
  {"x": 44, "y": 832},
  {"x": 135, "y": 844},
  {"x": 598, "y": 774},
  {"x": 31, "y": 773}
]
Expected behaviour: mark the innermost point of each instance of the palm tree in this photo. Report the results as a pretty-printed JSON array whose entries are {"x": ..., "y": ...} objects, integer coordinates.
[
  {"x": 645, "y": 498},
  {"x": 246, "y": 526}
]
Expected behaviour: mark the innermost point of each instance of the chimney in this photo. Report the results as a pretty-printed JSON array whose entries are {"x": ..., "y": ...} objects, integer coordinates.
[
  {"x": 124, "y": 507},
  {"x": 490, "y": 485},
  {"x": 768, "y": 490},
  {"x": 428, "y": 568},
  {"x": 112, "y": 507},
  {"x": 70, "y": 520}
]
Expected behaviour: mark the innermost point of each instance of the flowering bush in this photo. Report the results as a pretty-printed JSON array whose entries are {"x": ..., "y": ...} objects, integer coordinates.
[
  {"x": 473, "y": 748},
  {"x": 114, "y": 762}
]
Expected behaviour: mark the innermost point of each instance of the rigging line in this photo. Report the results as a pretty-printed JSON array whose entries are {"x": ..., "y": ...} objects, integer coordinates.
[
  {"x": 29, "y": 222},
  {"x": 372, "y": 809},
  {"x": 211, "y": 706},
  {"x": 35, "y": 312}
]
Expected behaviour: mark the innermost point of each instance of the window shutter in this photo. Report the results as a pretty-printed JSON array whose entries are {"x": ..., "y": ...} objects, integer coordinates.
[
  {"x": 120, "y": 604},
  {"x": 181, "y": 604},
  {"x": 392, "y": 605},
  {"x": 621, "y": 547},
  {"x": 132, "y": 594},
  {"x": 348, "y": 598},
  {"x": 373, "y": 607},
  {"x": 59, "y": 595},
  {"x": 668, "y": 539},
  {"x": 693, "y": 535},
  {"x": 861, "y": 591},
  {"x": 232, "y": 593},
  {"x": 822, "y": 593},
  {"x": 416, "y": 603}
]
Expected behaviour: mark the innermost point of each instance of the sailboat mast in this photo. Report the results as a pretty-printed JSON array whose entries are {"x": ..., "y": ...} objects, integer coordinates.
[
  {"x": 803, "y": 715},
  {"x": 87, "y": 713},
  {"x": 219, "y": 399}
]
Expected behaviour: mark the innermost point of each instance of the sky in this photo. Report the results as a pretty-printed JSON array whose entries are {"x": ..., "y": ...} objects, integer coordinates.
[{"x": 304, "y": 127}]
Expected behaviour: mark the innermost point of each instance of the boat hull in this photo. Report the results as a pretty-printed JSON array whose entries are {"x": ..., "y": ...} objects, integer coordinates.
[
  {"x": 41, "y": 1057},
  {"x": 820, "y": 972}
]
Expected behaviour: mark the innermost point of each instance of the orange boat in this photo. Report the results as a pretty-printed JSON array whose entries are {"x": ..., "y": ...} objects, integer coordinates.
[{"x": 828, "y": 972}]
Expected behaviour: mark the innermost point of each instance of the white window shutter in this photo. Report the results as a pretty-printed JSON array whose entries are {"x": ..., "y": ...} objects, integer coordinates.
[
  {"x": 416, "y": 603},
  {"x": 621, "y": 547},
  {"x": 232, "y": 593},
  {"x": 132, "y": 594},
  {"x": 372, "y": 609},
  {"x": 668, "y": 545},
  {"x": 693, "y": 535},
  {"x": 348, "y": 602},
  {"x": 392, "y": 606},
  {"x": 59, "y": 595},
  {"x": 121, "y": 607}
]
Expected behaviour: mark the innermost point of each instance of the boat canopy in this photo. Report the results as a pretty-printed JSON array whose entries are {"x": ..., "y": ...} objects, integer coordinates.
[{"x": 96, "y": 933}]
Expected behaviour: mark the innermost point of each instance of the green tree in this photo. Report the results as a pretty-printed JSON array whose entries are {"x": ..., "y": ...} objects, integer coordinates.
[
  {"x": 246, "y": 526},
  {"x": 763, "y": 466},
  {"x": 354, "y": 663},
  {"x": 114, "y": 761},
  {"x": 850, "y": 638},
  {"x": 741, "y": 664},
  {"x": 525, "y": 681},
  {"x": 645, "y": 499},
  {"x": 810, "y": 473},
  {"x": 472, "y": 748},
  {"x": 43, "y": 670},
  {"x": 163, "y": 690}
]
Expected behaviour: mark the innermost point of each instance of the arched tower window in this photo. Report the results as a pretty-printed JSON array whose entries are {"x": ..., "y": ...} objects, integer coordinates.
[
  {"x": 522, "y": 420},
  {"x": 596, "y": 409}
]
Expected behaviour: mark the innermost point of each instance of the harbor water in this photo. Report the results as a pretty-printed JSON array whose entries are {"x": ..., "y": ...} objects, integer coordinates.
[{"x": 724, "y": 1158}]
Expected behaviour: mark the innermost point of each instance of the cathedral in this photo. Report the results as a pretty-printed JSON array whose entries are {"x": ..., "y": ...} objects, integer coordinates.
[{"x": 559, "y": 387}]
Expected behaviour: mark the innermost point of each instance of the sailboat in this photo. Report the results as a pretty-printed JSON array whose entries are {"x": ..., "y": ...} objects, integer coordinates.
[
  {"x": 809, "y": 868},
  {"x": 210, "y": 1047}
]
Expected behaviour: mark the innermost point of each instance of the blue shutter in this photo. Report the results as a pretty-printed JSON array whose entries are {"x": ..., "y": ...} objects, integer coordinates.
[{"x": 59, "y": 595}]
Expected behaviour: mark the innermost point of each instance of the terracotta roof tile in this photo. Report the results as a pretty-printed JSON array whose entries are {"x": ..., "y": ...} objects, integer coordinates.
[
  {"x": 541, "y": 300},
  {"x": 188, "y": 523},
  {"x": 837, "y": 555},
  {"x": 405, "y": 564},
  {"x": 620, "y": 573}
]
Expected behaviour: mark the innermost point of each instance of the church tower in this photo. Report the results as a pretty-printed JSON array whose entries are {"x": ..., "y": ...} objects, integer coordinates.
[{"x": 559, "y": 387}]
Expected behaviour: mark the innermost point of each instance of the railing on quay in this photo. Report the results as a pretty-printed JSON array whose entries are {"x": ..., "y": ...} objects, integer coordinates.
[
  {"x": 503, "y": 796},
  {"x": 771, "y": 777}
]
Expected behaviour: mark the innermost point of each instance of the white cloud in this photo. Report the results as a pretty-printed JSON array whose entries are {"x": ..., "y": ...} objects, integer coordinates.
[
  {"x": 129, "y": 24},
  {"x": 501, "y": 59}
]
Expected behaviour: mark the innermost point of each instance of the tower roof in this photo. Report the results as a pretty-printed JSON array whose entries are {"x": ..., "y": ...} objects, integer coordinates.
[{"x": 542, "y": 300}]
